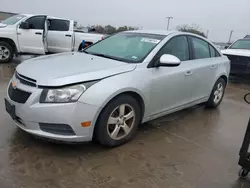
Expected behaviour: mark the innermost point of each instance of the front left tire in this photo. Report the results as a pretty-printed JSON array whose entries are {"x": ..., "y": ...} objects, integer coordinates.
[
  {"x": 118, "y": 121},
  {"x": 6, "y": 52}
]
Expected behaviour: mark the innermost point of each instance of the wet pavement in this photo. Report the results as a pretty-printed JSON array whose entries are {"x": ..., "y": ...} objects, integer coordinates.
[{"x": 194, "y": 148}]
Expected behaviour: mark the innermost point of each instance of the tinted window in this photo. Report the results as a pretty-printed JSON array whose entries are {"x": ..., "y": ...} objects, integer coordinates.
[
  {"x": 58, "y": 25},
  {"x": 177, "y": 46},
  {"x": 201, "y": 49},
  {"x": 36, "y": 22}
]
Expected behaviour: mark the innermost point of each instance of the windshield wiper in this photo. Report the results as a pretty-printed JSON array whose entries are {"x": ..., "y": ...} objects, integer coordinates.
[
  {"x": 109, "y": 57},
  {"x": 84, "y": 51}
]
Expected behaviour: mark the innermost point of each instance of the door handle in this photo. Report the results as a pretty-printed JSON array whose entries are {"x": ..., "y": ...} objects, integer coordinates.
[
  {"x": 38, "y": 33},
  {"x": 188, "y": 73},
  {"x": 18, "y": 33},
  {"x": 213, "y": 66},
  {"x": 68, "y": 35}
]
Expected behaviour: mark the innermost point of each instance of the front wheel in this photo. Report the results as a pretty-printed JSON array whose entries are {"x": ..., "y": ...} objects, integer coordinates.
[
  {"x": 6, "y": 52},
  {"x": 217, "y": 94},
  {"x": 243, "y": 173},
  {"x": 118, "y": 121}
]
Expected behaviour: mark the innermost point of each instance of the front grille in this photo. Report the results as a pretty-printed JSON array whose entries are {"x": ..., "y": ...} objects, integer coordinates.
[
  {"x": 239, "y": 63},
  {"x": 60, "y": 129},
  {"x": 239, "y": 59},
  {"x": 18, "y": 95},
  {"x": 25, "y": 80}
]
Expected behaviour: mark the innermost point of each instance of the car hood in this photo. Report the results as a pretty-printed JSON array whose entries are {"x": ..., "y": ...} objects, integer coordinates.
[
  {"x": 67, "y": 68},
  {"x": 238, "y": 52}
]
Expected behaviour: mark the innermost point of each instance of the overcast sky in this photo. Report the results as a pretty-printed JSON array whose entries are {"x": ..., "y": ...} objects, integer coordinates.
[{"x": 217, "y": 16}]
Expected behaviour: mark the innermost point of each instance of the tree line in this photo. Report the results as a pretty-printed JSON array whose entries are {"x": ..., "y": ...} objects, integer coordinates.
[{"x": 109, "y": 29}]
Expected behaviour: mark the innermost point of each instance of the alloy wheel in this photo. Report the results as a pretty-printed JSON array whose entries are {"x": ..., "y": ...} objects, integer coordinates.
[
  {"x": 218, "y": 93},
  {"x": 4, "y": 53},
  {"x": 121, "y": 121}
]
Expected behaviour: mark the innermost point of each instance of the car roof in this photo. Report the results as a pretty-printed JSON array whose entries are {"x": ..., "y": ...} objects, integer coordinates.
[
  {"x": 156, "y": 32},
  {"x": 51, "y": 17}
]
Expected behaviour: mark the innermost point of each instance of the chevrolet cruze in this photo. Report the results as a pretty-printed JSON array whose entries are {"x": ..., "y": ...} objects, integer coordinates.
[{"x": 108, "y": 89}]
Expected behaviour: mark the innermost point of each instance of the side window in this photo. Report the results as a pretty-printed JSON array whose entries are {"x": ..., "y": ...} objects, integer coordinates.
[
  {"x": 177, "y": 46},
  {"x": 36, "y": 22},
  {"x": 212, "y": 51},
  {"x": 58, "y": 25},
  {"x": 201, "y": 48}
]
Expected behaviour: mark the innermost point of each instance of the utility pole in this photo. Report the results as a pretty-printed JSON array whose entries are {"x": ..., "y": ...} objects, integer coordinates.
[
  {"x": 207, "y": 33},
  {"x": 169, "y": 17},
  {"x": 231, "y": 32}
]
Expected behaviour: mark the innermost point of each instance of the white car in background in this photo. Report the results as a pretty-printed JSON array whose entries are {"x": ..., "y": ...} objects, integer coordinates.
[{"x": 40, "y": 34}]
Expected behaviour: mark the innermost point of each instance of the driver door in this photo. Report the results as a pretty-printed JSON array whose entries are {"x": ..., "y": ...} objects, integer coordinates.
[
  {"x": 171, "y": 86},
  {"x": 33, "y": 39}
]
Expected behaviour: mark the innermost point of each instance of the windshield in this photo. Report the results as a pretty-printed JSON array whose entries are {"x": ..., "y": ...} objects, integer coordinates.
[
  {"x": 241, "y": 44},
  {"x": 13, "y": 19},
  {"x": 127, "y": 47}
]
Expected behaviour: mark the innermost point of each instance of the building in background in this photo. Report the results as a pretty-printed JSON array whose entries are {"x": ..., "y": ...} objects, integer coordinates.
[{"x": 4, "y": 15}]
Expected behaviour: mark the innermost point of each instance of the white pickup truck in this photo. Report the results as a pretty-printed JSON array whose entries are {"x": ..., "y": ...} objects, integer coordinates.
[{"x": 40, "y": 34}]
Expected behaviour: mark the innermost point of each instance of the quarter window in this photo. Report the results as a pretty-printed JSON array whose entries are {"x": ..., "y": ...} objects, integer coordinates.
[
  {"x": 212, "y": 51},
  {"x": 36, "y": 22},
  {"x": 58, "y": 25},
  {"x": 201, "y": 48},
  {"x": 177, "y": 46}
]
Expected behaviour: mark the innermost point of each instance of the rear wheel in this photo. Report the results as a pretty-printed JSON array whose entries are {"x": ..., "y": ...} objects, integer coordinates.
[
  {"x": 118, "y": 121},
  {"x": 217, "y": 94},
  {"x": 6, "y": 52},
  {"x": 243, "y": 173}
]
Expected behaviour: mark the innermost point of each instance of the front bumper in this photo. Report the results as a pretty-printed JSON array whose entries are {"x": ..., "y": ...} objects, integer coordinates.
[{"x": 32, "y": 113}]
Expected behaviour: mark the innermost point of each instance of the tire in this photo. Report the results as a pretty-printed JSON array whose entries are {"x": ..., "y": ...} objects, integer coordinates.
[
  {"x": 243, "y": 173},
  {"x": 9, "y": 52},
  {"x": 105, "y": 131},
  {"x": 216, "y": 95}
]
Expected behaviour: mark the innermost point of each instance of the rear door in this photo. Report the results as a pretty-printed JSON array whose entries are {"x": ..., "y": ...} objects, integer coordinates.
[
  {"x": 203, "y": 67},
  {"x": 60, "y": 35},
  {"x": 32, "y": 40}
]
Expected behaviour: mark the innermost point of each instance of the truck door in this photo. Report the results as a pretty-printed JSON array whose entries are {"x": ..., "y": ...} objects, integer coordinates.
[
  {"x": 31, "y": 35},
  {"x": 60, "y": 35}
]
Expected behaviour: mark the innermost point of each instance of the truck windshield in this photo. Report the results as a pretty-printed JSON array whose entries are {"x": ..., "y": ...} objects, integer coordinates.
[
  {"x": 128, "y": 46},
  {"x": 13, "y": 19},
  {"x": 241, "y": 44}
]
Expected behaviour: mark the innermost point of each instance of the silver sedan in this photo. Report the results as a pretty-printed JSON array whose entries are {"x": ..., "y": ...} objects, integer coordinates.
[{"x": 107, "y": 90}]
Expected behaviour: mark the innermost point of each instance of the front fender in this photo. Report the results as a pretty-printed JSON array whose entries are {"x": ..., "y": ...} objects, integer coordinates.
[
  {"x": 105, "y": 90},
  {"x": 101, "y": 93}
]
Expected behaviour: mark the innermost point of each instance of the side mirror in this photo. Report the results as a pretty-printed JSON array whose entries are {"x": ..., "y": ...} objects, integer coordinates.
[
  {"x": 168, "y": 60},
  {"x": 226, "y": 47},
  {"x": 24, "y": 25}
]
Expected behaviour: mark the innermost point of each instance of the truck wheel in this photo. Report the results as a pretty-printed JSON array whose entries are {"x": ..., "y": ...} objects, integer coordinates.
[{"x": 6, "y": 52}]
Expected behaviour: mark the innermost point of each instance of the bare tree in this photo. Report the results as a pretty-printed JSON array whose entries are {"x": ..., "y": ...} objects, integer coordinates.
[{"x": 191, "y": 28}]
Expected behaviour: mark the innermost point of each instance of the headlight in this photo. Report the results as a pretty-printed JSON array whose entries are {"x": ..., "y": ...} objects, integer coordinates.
[{"x": 64, "y": 94}]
